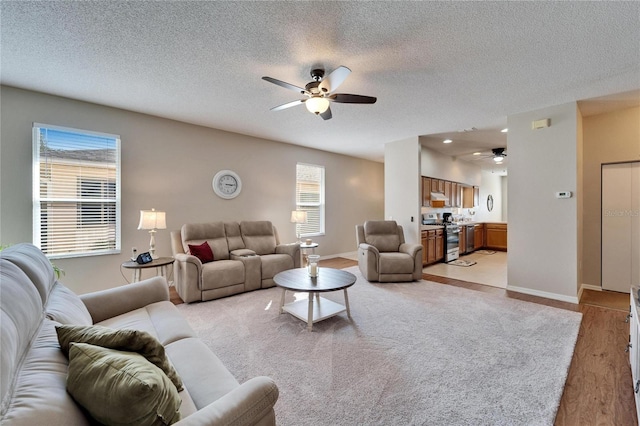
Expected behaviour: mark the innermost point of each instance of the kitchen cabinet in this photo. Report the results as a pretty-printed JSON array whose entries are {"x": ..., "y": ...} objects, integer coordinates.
[
  {"x": 447, "y": 194},
  {"x": 426, "y": 192},
  {"x": 470, "y": 197},
  {"x": 434, "y": 185},
  {"x": 432, "y": 246},
  {"x": 457, "y": 188},
  {"x": 495, "y": 236},
  {"x": 439, "y": 245},
  {"x": 478, "y": 236},
  {"x": 425, "y": 245}
]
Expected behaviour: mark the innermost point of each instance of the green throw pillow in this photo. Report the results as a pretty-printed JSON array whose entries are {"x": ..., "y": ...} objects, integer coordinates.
[
  {"x": 123, "y": 340},
  {"x": 121, "y": 388}
]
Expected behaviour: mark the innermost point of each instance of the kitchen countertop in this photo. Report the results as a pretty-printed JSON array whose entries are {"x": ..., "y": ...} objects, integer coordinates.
[{"x": 430, "y": 227}]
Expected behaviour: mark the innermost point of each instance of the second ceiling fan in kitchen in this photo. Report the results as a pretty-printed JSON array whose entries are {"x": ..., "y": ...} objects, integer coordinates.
[{"x": 497, "y": 154}]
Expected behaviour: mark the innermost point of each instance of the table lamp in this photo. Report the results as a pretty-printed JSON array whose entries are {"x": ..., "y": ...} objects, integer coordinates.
[
  {"x": 297, "y": 217},
  {"x": 152, "y": 220}
]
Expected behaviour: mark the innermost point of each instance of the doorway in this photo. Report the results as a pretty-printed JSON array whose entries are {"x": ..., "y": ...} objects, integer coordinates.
[{"x": 620, "y": 226}]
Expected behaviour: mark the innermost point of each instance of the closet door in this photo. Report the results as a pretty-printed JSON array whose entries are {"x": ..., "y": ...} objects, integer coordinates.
[
  {"x": 635, "y": 223},
  {"x": 620, "y": 226}
]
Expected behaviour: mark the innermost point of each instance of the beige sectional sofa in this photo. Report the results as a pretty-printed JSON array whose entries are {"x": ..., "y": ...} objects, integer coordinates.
[
  {"x": 34, "y": 369},
  {"x": 247, "y": 255}
]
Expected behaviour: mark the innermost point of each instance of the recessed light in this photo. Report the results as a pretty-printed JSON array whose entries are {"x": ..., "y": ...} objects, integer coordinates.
[
  {"x": 477, "y": 153},
  {"x": 505, "y": 130},
  {"x": 447, "y": 141}
]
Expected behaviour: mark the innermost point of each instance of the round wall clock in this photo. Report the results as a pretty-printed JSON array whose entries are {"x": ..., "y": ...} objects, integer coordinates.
[
  {"x": 227, "y": 184},
  {"x": 490, "y": 202}
]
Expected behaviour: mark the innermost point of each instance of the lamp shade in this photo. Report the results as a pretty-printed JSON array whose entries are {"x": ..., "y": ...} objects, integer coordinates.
[
  {"x": 317, "y": 105},
  {"x": 298, "y": 216},
  {"x": 151, "y": 219}
]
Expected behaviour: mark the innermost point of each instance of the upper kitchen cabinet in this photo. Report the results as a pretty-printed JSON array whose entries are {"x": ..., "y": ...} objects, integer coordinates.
[
  {"x": 451, "y": 192},
  {"x": 470, "y": 197},
  {"x": 426, "y": 192},
  {"x": 437, "y": 185},
  {"x": 448, "y": 193}
]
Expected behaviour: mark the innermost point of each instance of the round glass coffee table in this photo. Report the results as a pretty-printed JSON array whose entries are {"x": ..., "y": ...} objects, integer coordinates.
[{"x": 315, "y": 308}]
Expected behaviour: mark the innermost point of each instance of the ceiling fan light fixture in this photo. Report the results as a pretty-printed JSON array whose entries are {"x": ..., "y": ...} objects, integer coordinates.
[
  {"x": 317, "y": 105},
  {"x": 505, "y": 130},
  {"x": 498, "y": 158}
]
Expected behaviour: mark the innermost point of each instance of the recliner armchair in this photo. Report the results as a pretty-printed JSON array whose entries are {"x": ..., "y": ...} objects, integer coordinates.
[{"x": 383, "y": 254}]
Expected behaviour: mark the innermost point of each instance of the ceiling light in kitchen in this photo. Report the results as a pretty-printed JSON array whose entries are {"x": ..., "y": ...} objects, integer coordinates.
[
  {"x": 477, "y": 153},
  {"x": 505, "y": 130},
  {"x": 498, "y": 159},
  {"x": 447, "y": 141}
]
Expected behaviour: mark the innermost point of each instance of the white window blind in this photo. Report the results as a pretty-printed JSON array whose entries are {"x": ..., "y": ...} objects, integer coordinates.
[
  {"x": 310, "y": 198},
  {"x": 76, "y": 191}
]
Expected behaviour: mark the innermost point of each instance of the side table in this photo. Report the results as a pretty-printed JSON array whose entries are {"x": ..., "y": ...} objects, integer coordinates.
[
  {"x": 304, "y": 251},
  {"x": 160, "y": 264}
]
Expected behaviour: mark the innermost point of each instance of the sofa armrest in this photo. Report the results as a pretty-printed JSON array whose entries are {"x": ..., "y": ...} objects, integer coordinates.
[
  {"x": 368, "y": 259},
  {"x": 411, "y": 249},
  {"x": 292, "y": 250},
  {"x": 109, "y": 303},
  {"x": 187, "y": 277},
  {"x": 415, "y": 251},
  {"x": 247, "y": 404}
]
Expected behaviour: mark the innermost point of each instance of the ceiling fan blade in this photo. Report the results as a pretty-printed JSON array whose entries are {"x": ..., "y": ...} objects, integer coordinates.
[
  {"x": 285, "y": 85},
  {"x": 346, "y": 98},
  {"x": 327, "y": 114},
  {"x": 288, "y": 105},
  {"x": 335, "y": 79}
]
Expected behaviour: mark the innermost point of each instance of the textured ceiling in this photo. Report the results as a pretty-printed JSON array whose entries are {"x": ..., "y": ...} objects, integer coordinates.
[{"x": 435, "y": 67}]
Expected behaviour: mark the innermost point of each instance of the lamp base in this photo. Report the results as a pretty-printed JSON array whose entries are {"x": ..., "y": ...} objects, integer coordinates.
[{"x": 152, "y": 244}]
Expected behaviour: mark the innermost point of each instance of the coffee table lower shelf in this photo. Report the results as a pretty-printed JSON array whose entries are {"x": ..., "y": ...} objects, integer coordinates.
[{"x": 319, "y": 309}]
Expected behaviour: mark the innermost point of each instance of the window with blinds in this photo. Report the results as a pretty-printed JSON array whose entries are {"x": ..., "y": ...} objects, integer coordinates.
[
  {"x": 310, "y": 198},
  {"x": 76, "y": 191}
]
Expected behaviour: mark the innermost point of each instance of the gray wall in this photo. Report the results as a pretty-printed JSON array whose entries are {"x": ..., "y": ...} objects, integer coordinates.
[{"x": 169, "y": 165}]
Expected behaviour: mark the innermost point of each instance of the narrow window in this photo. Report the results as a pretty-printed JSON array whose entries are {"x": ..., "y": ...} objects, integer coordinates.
[
  {"x": 76, "y": 191},
  {"x": 310, "y": 198}
]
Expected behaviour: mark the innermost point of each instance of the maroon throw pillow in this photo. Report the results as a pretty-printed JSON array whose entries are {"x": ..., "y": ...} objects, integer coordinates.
[{"x": 202, "y": 252}]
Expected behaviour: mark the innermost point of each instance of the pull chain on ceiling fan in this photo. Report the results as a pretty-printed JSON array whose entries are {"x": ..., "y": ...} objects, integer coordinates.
[{"x": 319, "y": 92}]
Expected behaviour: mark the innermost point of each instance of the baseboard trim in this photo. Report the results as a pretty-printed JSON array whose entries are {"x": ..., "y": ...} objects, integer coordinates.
[
  {"x": 545, "y": 294},
  {"x": 352, "y": 254},
  {"x": 584, "y": 287},
  {"x": 590, "y": 287}
]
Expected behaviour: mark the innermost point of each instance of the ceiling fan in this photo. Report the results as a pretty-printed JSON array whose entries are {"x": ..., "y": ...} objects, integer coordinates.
[
  {"x": 498, "y": 155},
  {"x": 319, "y": 92}
]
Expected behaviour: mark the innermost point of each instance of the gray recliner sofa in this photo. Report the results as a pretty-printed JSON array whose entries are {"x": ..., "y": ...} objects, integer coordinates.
[
  {"x": 34, "y": 369},
  {"x": 383, "y": 254},
  {"x": 247, "y": 255}
]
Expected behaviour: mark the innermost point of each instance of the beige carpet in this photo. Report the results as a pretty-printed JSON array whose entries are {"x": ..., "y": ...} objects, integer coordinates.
[{"x": 414, "y": 354}]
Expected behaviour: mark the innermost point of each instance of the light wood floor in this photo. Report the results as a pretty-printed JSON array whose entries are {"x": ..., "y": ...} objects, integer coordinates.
[{"x": 598, "y": 390}]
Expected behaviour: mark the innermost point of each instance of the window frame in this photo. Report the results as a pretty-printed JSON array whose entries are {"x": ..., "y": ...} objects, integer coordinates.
[
  {"x": 320, "y": 204},
  {"x": 39, "y": 224}
]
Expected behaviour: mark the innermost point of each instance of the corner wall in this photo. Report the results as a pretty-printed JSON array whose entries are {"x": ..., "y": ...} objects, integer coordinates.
[
  {"x": 403, "y": 196},
  {"x": 169, "y": 165},
  {"x": 542, "y": 234}
]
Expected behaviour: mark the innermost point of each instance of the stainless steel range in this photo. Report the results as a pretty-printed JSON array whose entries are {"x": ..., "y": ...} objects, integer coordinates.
[
  {"x": 452, "y": 241},
  {"x": 451, "y": 234}
]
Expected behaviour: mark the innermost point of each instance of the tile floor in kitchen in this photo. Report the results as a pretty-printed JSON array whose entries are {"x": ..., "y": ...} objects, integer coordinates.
[{"x": 490, "y": 269}]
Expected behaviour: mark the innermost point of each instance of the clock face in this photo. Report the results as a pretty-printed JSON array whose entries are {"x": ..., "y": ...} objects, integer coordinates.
[{"x": 227, "y": 184}]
